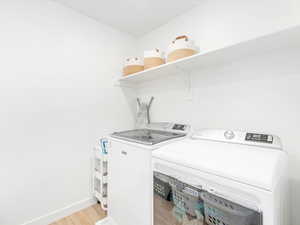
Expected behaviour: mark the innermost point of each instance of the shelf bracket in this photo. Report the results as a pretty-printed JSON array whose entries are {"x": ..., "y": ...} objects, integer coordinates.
[
  {"x": 181, "y": 70},
  {"x": 187, "y": 76},
  {"x": 189, "y": 87},
  {"x": 123, "y": 85}
]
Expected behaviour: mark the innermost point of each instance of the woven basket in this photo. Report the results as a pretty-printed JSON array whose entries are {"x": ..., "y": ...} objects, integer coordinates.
[
  {"x": 132, "y": 65},
  {"x": 180, "y": 53},
  {"x": 153, "y": 62},
  {"x": 153, "y": 58},
  {"x": 180, "y": 48}
]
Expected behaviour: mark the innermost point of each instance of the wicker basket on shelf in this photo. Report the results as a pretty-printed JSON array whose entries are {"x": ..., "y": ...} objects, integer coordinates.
[
  {"x": 153, "y": 58},
  {"x": 133, "y": 65},
  {"x": 181, "y": 47}
]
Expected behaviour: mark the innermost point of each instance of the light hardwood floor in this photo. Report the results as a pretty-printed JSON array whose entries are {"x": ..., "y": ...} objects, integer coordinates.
[{"x": 88, "y": 216}]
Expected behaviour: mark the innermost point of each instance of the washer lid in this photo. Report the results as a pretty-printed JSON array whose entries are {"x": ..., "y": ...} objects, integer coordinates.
[
  {"x": 146, "y": 136},
  {"x": 253, "y": 165}
]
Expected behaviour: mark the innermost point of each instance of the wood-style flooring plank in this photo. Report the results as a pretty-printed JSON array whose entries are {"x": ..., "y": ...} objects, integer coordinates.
[
  {"x": 88, "y": 216},
  {"x": 92, "y": 214},
  {"x": 99, "y": 210}
]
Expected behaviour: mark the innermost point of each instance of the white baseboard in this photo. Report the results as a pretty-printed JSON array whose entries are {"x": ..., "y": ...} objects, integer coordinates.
[
  {"x": 106, "y": 221},
  {"x": 60, "y": 213}
]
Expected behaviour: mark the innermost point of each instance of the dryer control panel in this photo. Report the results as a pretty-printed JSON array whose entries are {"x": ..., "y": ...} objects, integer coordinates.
[
  {"x": 240, "y": 137},
  {"x": 264, "y": 138}
]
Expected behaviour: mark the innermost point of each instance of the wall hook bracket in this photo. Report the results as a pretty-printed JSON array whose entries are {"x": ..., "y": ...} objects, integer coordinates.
[{"x": 187, "y": 76}]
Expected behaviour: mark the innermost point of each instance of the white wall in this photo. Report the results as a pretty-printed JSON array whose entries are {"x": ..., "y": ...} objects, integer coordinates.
[
  {"x": 256, "y": 93},
  {"x": 215, "y": 24},
  {"x": 56, "y": 97}
]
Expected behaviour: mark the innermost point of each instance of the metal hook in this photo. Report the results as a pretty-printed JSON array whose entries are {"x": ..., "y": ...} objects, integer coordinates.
[
  {"x": 148, "y": 109},
  {"x": 150, "y": 102},
  {"x": 138, "y": 101}
]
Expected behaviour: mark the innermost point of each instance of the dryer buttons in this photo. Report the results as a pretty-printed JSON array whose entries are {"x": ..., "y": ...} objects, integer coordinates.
[{"x": 229, "y": 134}]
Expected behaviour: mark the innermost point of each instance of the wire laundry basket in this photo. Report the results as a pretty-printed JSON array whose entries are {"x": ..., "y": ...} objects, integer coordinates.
[
  {"x": 186, "y": 198},
  {"x": 161, "y": 185},
  {"x": 219, "y": 211}
]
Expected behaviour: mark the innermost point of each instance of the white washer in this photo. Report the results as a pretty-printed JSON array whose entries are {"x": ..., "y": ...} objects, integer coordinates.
[
  {"x": 220, "y": 177},
  {"x": 130, "y": 171}
]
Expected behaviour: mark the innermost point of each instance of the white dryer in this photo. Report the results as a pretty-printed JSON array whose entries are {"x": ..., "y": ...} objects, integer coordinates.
[{"x": 220, "y": 177}]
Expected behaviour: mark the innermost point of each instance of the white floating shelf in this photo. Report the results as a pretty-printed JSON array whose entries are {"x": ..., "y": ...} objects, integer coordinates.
[{"x": 278, "y": 40}]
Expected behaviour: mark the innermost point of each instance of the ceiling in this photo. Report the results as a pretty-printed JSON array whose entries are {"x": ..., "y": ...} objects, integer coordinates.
[{"x": 136, "y": 17}]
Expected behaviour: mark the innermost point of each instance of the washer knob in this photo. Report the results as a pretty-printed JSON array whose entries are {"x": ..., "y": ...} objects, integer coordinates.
[{"x": 229, "y": 134}]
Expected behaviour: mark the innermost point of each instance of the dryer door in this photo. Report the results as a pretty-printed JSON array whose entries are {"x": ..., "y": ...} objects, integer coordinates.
[{"x": 179, "y": 203}]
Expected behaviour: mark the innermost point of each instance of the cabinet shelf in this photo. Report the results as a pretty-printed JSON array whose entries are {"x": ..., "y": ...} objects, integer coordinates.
[{"x": 282, "y": 39}]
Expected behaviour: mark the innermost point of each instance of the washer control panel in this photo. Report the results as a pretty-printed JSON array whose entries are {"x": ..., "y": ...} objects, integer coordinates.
[
  {"x": 263, "y": 138},
  {"x": 179, "y": 127},
  {"x": 171, "y": 127}
]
